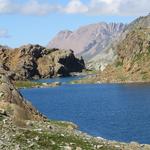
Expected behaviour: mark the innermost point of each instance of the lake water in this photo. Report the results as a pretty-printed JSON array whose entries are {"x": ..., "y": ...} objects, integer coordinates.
[{"x": 113, "y": 111}]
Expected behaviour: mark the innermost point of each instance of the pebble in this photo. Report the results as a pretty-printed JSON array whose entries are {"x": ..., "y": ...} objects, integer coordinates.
[
  {"x": 67, "y": 148},
  {"x": 78, "y": 148}
]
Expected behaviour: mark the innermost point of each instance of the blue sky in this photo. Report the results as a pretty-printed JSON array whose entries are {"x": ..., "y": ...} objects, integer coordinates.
[{"x": 37, "y": 21}]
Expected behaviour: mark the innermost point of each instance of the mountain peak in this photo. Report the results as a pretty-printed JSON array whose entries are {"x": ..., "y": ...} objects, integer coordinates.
[{"x": 87, "y": 40}]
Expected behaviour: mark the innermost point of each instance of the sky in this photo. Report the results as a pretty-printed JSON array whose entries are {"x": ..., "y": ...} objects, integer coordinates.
[{"x": 38, "y": 21}]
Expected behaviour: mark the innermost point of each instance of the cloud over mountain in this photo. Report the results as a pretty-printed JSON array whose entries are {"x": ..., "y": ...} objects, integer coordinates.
[{"x": 91, "y": 7}]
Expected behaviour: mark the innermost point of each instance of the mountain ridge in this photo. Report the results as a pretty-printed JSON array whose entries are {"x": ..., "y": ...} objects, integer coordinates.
[
  {"x": 89, "y": 40},
  {"x": 132, "y": 55}
]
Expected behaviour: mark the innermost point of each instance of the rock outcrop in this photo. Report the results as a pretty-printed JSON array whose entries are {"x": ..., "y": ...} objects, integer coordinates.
[
  {"x": 88, "y": 41},
  {"x": 35, "y": 61},
  {"x": 12, "y": 103}
]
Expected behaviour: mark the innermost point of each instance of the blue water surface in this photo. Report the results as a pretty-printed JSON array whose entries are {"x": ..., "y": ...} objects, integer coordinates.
[{"x": 113, "y": 111}]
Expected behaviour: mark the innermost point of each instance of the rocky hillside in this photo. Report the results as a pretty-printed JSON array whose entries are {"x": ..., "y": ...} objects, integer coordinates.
[
  {"x": 88, "y": 41},
  {"x": 35, "y": 61},
  {"x": 13, "y": 105},
  {"x": 133, "y": 55},
  {"x": 134, "y": 50}
]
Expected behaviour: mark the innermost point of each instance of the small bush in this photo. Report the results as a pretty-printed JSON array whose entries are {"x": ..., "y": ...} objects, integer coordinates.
[
  {"x": 119, "y": 63},
  {"x": 1, "y": 118},
  {"x": 138, "y": 57},
  {"x": 149, "y": 50},
  {"x": 145, "y": 77}
]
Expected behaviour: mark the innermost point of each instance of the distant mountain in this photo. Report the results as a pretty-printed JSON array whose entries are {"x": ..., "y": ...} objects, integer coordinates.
[
  {"x": 124, "y": 44},
  {"x": 132, "y": 49},
  {"x": 87, "y": 41}
]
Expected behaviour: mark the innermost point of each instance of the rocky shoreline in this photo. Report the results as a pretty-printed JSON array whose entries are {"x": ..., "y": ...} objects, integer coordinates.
[
  {"x": 33, "y": 84},
  {"x": 39, "y": 135},
  {"x": 91, "y": 80},
  {"x": 22, "y": 127},
  {"x": 106, "y": 78}
]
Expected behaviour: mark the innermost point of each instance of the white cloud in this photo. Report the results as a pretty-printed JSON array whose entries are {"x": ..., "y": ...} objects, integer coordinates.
[
  {"x": 119, "y": 7},
  {"x": 104, "y": 7},
  {"x": 106, "y": 1},
  {"x": 6, "y": 7},
  {"x": 134, "y": 7},
  {"x": 4, "y": 33},
  {"x": 75, "y": 6},
  {"x": 94, "y": 7},
  {"x": 33, "y": 7}
]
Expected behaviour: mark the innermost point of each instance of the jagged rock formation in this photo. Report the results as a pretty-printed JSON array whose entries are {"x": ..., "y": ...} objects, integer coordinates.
[
  {"x": 35, "y": 61},
  {"x": 88, "y": 41}
]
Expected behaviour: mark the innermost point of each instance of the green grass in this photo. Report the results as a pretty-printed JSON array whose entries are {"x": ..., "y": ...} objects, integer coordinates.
[
  {"x": 26, "y": 84},
  {"x": 1, "y": 118},
  {"x": 149, "y": 50},
  {"x": 119, "y": 64},
  {"x": 138, "y": 57},
  {"x": 54, "y": 141},
  {"x": 145, "y": 76},
  {"x": 122, "y": 78},
  {"x": 91, "y": 71},
  {"x": 142, "y": 56},
  {"x": 82, "y": 81}
]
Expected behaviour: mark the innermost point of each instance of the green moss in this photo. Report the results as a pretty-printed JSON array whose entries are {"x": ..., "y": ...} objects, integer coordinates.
[
  {"x": 1, "y": 118},
  {"x": 149, "y": 50}
]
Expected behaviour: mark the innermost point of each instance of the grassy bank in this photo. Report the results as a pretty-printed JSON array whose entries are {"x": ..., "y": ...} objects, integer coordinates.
[{"x": 26, "y": 84}]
